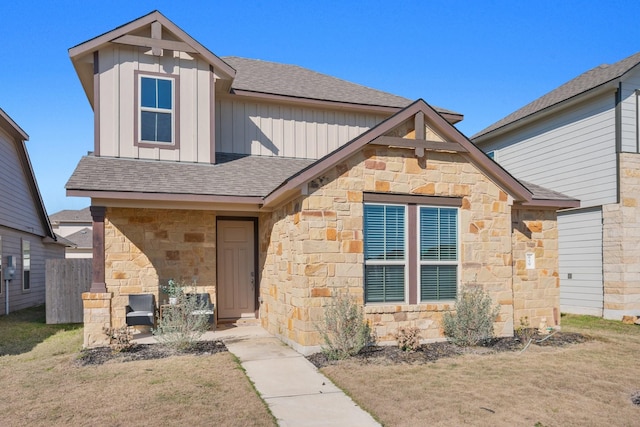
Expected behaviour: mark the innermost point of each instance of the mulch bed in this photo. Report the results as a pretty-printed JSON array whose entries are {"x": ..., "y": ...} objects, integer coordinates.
[
  {"x": 101, "y": 355},
  {"x": 438, "y": 350}
]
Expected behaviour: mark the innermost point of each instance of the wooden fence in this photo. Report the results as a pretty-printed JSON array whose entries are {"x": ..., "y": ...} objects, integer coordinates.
[{"x": 66, "y": 280}]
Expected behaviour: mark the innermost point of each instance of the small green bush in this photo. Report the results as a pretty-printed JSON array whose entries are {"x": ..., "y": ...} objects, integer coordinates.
[
  {"x": 408, "y": 338},
  {"x": 473, "y": 319},
  {"x": 344, "y": 331},
  {"x": 178, "y": 327}
]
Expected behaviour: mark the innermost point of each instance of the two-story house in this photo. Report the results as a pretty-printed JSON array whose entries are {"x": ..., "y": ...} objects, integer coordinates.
[
  {"x": 26, "y": 237},
  {"x": 273, "y": 188},
  {"x": 582, "y": 139}
]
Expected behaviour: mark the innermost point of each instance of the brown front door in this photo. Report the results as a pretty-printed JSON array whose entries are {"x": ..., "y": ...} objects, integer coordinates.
[{"x": 236, "y": 269}]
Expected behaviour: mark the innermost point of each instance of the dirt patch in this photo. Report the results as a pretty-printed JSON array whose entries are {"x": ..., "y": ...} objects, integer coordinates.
[
  {"x": 438, "y": 350},
  {"x": 102, "y": 355}
]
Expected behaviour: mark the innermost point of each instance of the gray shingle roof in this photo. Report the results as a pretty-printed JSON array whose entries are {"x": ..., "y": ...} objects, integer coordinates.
[
  {"x": 233, "y": 175},
  {"x": 291, "y": 80},
  {"x": 542, "y": 193},
  {"x": 82, "y": 238},
  {"x": 72, "y": 215},
  {"x": 591, "y": 79}
]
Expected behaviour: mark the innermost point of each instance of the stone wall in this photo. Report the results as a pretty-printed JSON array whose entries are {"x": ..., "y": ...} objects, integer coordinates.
[
  {"x": 621, "y": 244},
  {"x": 536, "y": 291},
  {"x": 312, "y": 247},
  {"x": 147, "y": 247}
]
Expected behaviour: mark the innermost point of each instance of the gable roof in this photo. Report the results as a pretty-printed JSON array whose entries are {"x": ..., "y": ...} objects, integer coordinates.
[
  {"x": 291, "y": 80},
  {"x": 82, "y": 55},
  {"x": 72, "y": 215},
  {"x": 534, "y": 196},
  {"x": 242, "y": 76},
  {"x": 20, "y": 136},
  {"x": 586, "y": 82}
]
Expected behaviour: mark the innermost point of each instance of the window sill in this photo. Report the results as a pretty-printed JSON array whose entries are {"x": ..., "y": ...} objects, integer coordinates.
[{"x": 381, "y": 308}]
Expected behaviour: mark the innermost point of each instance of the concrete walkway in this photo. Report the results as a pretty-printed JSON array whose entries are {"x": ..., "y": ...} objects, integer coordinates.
[{"x": 298, "y": 395}]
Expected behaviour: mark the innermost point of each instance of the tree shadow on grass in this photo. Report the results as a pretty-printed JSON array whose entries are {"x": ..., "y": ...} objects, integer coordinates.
[{"x": 22, "y": 330}]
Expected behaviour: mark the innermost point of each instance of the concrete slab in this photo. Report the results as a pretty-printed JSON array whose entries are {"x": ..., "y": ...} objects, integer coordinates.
[{"x": 296, "y": 392}]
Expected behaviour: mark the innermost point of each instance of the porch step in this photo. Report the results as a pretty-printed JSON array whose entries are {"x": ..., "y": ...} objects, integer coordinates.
[{"x": 222, "y": 323}]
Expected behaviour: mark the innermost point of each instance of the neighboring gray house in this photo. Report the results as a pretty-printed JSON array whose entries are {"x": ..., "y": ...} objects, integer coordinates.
[
  {"x": 582, "y": 139},
  {"x": 76, "y": 226},
  {"x": 26, "y": 237}
]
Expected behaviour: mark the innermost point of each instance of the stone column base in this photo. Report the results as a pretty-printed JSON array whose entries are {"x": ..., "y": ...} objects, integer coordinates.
[{"x": 97, "y": 316}]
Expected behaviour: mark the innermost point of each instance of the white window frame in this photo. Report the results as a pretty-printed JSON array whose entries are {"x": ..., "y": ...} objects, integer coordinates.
[
  {"x": 26, "y": 267},
  {"x": 404, "y": 262},
  {"x": 171, "y": 111},
  {"x": 421, "y": 262}
]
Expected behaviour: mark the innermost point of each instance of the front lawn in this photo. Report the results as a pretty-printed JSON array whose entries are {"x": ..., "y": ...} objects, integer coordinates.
[
  {"x": 43, "y": 385},
  {"x": 586, "y": 384}
]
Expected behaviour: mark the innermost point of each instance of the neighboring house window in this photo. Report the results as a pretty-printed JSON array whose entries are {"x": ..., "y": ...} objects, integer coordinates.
[
  {"x": 389, "y": 253},
  {"x": 26, "y": 265},
  {"x": 438, "y": 253},
  {"x": 491, "y": 154},
  {"x": 157, "y": 109},
  {"x": 384, "y": 253}
]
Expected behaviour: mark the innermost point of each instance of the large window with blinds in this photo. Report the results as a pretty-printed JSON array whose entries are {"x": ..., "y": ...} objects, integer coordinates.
[
  {"x": 410, "y": 250},
  {"x": 438, "y": 253},
  {"x": 385, "y": 252}
]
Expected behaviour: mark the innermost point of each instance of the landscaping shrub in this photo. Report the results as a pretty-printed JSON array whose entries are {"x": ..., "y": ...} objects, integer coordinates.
[
  {"x": 178, "y": 327},
  {"x": 408, "y": 338},
  {"x": 119, "y": 338},
  {"x": 472, "y": 321},
  {"x": 344, "y": 331}
]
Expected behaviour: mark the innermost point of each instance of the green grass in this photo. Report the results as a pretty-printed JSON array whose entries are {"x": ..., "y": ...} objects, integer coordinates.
[
  {"x": 591, "y": 324},
  {"x": 22, "y": 330}
]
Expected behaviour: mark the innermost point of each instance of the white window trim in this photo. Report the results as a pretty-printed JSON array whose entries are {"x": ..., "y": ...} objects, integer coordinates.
[{"x": 171, "y": 111}]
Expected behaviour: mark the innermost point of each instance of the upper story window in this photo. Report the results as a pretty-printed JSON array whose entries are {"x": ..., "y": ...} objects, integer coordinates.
[
  {"x": 157, "y": 104},
  {"x": 156, "y": 109}
]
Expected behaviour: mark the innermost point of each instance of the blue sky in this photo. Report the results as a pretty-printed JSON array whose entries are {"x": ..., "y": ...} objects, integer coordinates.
[{"x": 483, "y": 59}]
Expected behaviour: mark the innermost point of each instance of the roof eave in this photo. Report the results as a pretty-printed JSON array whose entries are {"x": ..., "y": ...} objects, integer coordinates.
[
  {"x": 552, "y": 109},
  {"x": 166, "y": 197},
  {"x": 551, "y": 204}
]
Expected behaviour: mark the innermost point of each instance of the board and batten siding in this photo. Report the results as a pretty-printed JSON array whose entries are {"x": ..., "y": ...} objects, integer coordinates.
[
  {"x": 580, "y": 261},
  {"x": 271, "y": 129},
  {"x": 17, "y": 206},
  {"x": 629, "y": 115},
  {"x": 572, "y": 152},
  {"x": 117, "y": 104}
]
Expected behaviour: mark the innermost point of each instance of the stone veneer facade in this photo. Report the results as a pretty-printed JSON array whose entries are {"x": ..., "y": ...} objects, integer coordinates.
[
  {"x": 621, "y": 243},
  {"x": 312, "y": 247},
  {"x": 146, "y": 247}
]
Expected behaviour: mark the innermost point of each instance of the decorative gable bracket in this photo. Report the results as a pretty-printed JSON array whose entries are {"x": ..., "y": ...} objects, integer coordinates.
[{"x": 419, "y": 140}]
